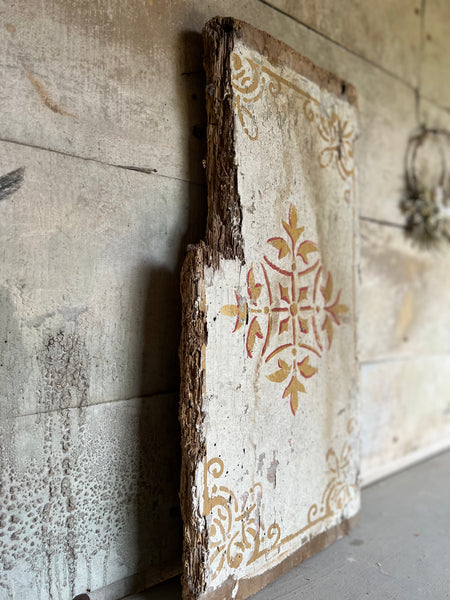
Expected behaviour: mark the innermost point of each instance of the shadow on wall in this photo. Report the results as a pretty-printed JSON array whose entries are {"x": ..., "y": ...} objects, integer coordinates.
[{"x": 159, "y": 518}]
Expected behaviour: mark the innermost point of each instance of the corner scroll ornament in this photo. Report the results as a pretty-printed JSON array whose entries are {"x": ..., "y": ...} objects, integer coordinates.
[
  {"x": 292, "y": 309},
  {"x": 237, "y": 535},
  {"x": 250, "y": 82}
]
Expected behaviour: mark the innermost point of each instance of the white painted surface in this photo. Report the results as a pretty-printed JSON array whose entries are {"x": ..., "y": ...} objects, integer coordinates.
[{"x": 281, "y": 376}]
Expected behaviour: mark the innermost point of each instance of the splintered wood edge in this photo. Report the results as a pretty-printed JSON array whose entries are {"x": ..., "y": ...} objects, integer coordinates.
[{"x": 224, "y": 240}]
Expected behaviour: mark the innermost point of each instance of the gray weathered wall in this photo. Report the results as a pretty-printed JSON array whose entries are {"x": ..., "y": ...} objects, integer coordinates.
[{"x": 102, "y": 107}]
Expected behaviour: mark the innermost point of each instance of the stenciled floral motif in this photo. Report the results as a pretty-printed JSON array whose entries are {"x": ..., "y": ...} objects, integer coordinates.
[
  {"x": 237, "y": 535},
  {"x": 341, "y": 488},
  {"x": 290, "y": 310},
  {"x": 250, "y": 81}
]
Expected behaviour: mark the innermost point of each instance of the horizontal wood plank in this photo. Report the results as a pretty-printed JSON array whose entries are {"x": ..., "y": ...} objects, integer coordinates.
[
  {"x": 123, "y": 84},
  {"x": 435, "y": 66},
  {"x": 404, "y": 296},
  {"x": 385, "y": 33},
  {"x": 405, "y": 409},
  {"x": 89, "y": 280},
  {"x": 90, "y": 496}
]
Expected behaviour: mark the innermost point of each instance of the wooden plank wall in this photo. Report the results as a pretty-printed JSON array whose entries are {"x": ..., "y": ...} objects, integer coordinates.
[{"x": 102, "y": 111}]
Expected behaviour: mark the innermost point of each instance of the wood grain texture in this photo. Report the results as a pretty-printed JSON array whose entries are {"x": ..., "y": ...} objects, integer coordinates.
[
  {"x": 405, "y": 295},
  {"x": 111, "y": 82},
  {"x": 91, "y": 256},
  {"x": 385, "y": 33},
  {"x": 405, "y": 410},
  {"x": 91, "y": 498},
  {"x": 435, "y": 65}
]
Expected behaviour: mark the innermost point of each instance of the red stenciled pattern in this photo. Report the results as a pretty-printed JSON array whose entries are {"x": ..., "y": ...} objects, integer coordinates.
[{"x": 290, "y": 309}]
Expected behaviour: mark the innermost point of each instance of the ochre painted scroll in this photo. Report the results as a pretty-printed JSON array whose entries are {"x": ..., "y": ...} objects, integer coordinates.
[{"x": 269, "y": 406}]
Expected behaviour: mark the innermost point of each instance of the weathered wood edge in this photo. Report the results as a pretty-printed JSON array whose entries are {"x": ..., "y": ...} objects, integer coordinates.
[
  {"x": 224, "y": 239},
  {"x": 193, "y": 448}
]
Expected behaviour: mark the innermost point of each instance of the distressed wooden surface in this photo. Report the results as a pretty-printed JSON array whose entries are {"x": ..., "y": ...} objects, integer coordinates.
[
  {"x": 89, "y": 281},
  {"x": 268, "y": 353},
  {"x": 89, "y": 497},
  {"x": 433, "y": 116},
  {"x": 405, "y": 411},
  {"x": 405, "y": 292},
  {"x": 385, "y": 33},
  {"x": 111, "y": 82},
  {"x": 89, "y": 318},
  {"x": 435, "y": 66}
]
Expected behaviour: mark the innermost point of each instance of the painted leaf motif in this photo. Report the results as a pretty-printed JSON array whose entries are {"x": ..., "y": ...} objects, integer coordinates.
[
  {"x": 302, "y": 294},
  {"x": 336, "y": 310},
  {"x": 254, "y": 289},
  {"x": 326, "y": 157},
  {"x": 306, "y": 369},
  {"x": 292, "y": 390},
  {"x": 303, "y": 324},
  {"x": 280, "y": 375},
  {"x": 284, "y": 293},
  {"x": 281, "y": 246},
  {"x": 333, "y": 461},
  {"x": 230, "y": 310},
  {"x": 306, "y": 248},
  {"x": 327, "y": 290},
  {"x": 328, "y": 328},
  {"x": 237, "y": 310},
  {"x": 284, "y": 326},
  {"x": 291, "y": 228},
  {"x": 253, "y": 333}
]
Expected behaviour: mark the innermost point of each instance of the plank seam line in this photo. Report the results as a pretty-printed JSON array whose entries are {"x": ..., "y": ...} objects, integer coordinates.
[
  {"x": 404, "y": 358},
  {"x": 148, "y": 171},
  {"x": 382, "y": 222},
  {"x": 88, "y": 405},
  {"x": 323, "y": 35}
]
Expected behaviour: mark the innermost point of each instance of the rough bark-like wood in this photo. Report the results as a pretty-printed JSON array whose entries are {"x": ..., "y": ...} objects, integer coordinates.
[
  {"x": 193, "y": 339},
  {"x": 223, "y": 238},
  {"x": 224, "y": 210}
]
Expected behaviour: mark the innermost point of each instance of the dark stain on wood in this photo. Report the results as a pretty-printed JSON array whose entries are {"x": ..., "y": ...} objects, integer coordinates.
[{"x": 11, "y": 182}]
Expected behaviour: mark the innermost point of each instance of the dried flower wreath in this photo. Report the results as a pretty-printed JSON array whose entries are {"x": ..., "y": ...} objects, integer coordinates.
[{"x": 426, "y": 203}]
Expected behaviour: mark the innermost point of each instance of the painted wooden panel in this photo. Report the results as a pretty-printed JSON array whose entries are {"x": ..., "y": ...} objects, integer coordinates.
[
  {"x": 405, "y": 295},
  {"x": 436, "y": 53},
  {"x": 269, "y": 368},
  {"x": 405, "y": 412},
  {"x": 386, "y": 33},
  {"x": 89, "y": 497},
  {"x": 89, "y": 280}
]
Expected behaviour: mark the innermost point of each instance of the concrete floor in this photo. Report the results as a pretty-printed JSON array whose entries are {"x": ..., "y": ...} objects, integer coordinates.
[{"x": 399, "y": 551}]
